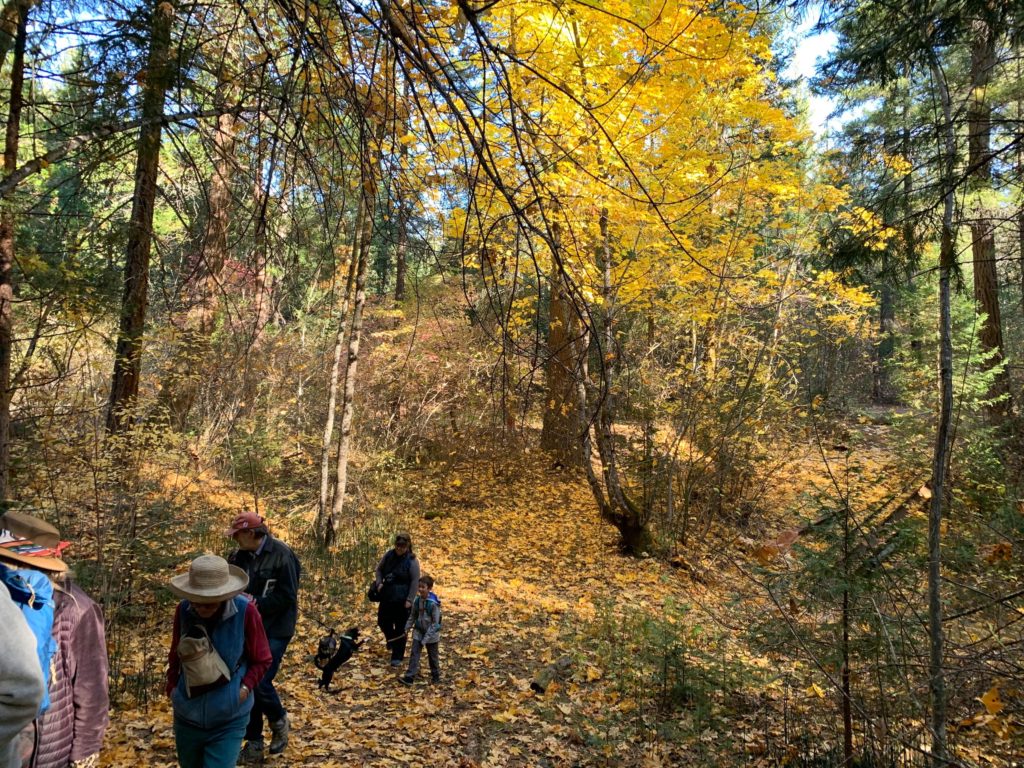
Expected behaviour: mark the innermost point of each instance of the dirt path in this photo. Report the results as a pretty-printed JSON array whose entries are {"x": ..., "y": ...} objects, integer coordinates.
[{"x": 516, "y": 559}]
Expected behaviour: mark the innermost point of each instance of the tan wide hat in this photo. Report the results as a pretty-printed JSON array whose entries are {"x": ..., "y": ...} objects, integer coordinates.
[
  {"x": 27, "y": 540},
  {"x": 209, "y": 580}
]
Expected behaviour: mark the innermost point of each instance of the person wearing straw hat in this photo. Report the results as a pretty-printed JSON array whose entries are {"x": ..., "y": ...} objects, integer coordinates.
[
  {"x": 70, "y": 731},
  {"x": 218, "y": 654}
]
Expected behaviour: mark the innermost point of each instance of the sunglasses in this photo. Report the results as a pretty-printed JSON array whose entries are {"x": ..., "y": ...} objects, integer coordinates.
[{"x": 400, "y": 542}]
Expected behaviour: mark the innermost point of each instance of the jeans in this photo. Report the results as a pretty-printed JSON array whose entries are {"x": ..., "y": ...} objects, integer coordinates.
[
  {"x": 432, "y": 657},
  {"x": 391, "y": 618},
  {"x": 266, "y": 701},
  {"x": 209, "y": 748}
]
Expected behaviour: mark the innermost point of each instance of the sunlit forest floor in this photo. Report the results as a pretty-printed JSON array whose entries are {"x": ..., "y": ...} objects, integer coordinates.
[{"x": 658, "y": 665}]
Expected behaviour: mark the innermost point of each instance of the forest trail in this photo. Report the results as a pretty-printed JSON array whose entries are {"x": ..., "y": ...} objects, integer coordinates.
[
  {"x": 527, "y": 574},
  {"x": 517, "y": 557}
]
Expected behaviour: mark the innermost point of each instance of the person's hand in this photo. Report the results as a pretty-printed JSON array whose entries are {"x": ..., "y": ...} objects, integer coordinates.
[
  {"x": 243, "y": 693},
  {"x": 408, "y": 603}
]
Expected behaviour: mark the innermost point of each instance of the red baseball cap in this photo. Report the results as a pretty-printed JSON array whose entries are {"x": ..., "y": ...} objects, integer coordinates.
[{"x": 247, "y": 521}]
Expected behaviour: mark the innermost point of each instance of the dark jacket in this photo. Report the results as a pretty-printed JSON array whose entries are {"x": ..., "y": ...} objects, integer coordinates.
[
  {"x": 399, "y": 577},
  {"x": 274, "y": 584},
  {"x": 72, "y": 728}
]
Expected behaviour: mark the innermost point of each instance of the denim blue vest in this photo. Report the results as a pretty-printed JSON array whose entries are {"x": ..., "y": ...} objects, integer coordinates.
[{"x": 221, "y": 705}]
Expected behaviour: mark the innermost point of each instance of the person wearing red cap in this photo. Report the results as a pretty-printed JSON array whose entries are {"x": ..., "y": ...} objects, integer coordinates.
[{"x": 273, "y": 571}]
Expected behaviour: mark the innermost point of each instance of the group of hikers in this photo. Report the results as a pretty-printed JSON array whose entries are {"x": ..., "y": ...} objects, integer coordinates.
[{"x": 232, "y": 626}]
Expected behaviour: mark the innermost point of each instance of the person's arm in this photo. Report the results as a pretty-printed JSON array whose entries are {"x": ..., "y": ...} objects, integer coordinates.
[
  {"x": 257, "y": 649},
  {"x": 378, "y": 574},
  {"x": 173, "y": 662},
  {"x": 21, "y": 677},
  {"x": 88, "y": 673},
  {"x": 285, "y": 593},
  {"x": 414, "y": 584},
  {"x": 411, "y": 621}
]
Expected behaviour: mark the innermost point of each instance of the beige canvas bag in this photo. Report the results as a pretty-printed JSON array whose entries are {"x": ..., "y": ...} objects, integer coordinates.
[{"x": 201, "y": 665}]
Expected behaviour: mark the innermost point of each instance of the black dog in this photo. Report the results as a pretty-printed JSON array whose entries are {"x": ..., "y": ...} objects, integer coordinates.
[{"x": 346, "y": 645}]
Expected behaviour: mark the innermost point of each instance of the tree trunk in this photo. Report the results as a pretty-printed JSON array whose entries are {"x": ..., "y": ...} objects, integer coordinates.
[
  {"x": 940, "y": 459},
  {"x": 12, "y": 15},
  {"x": 367, "y": 200},
  {"x": 983, "y": 240},
  {"x": 7, "y": 248},
  {"x": 624, "y": 513},
  {"x": 561, "y": 432},
  {"x": 332, "y": 398},
  {"x": 847, "y": 702},
  {"x": 124, "y": 388},
  {"x": 882, "y": 389},
  {"x": 400, "y": 250},
  {"x": 186, "y": 369}
]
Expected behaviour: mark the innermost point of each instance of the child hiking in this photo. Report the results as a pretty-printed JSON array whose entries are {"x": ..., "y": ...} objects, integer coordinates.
[{"x": 425, "y": 622}]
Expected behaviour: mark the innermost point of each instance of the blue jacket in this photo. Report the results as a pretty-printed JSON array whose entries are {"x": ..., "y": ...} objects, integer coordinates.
[{"x": 220, "y": 705}]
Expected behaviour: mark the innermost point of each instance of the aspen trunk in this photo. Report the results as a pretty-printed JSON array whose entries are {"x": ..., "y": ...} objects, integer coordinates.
[
  {"x": 332, "y": 398},
  {"x": 124, "y": 388},
  {"x": 368, "y": 197},
  {"x": 7, "y": 248}
]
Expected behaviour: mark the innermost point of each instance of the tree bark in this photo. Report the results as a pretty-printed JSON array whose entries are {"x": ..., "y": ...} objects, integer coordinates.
[
  {"x": 940, "y": 458},
  {"x": 332, "y": 398},
  {"x": 561, "y": 431},
  {"x": 622, "y": 511},
  {"x": 124, "y": 388},
  {"x": 983, "y": 239},
  {"x": 367, "y": 201},
  {"x": 882, "y": 389},
  {"x": 7, "y": 247},
  {"x": 183, "y": 385},
  {"x": 400, "y": 250}
]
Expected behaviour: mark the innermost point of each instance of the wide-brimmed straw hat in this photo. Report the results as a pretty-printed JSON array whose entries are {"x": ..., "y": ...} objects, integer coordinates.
[
  {"x": 209, "y": 580},
  {"x": 27, "y": 540}
]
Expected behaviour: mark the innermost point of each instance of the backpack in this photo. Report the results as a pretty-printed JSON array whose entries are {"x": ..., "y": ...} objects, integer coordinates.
[
  {"x": 436, "y": 599},
  {"x": 33, "y": 593}
]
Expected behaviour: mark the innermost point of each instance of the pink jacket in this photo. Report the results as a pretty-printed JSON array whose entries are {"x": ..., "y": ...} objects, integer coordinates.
[{"x": 73, "y": 726}]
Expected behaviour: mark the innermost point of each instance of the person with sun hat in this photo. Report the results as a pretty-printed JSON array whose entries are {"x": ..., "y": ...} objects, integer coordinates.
[
  {"x": 219, "y": 653},
  {"x": 69, "y": 733}
]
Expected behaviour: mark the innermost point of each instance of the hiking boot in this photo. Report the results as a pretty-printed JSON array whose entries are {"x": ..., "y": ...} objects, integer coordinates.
[
  {"x": 251, "y": 754},
  {"x": 435, "y": 679},
  {"x": 279, "y": 735},
  {"x": 406, "y": 679},
  {"x": 396, "y": 662}
]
